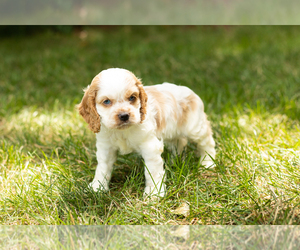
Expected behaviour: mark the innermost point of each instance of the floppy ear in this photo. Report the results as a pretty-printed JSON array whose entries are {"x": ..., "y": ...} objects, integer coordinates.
[
  {"x": 87, "y": 107},
  {"x": 143, "y": 98}
]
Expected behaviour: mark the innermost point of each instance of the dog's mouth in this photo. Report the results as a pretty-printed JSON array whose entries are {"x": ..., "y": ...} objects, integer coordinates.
[{"x": 124, "y": 125}]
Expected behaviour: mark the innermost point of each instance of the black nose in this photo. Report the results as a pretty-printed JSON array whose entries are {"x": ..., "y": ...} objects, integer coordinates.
[{"x": 124, "y": 117}]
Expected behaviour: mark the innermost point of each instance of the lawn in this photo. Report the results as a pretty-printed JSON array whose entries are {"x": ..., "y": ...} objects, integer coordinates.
[{"x": 248, "y": 78}]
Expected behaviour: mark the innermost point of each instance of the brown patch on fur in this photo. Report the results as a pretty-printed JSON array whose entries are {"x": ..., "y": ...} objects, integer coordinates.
[
  {"x": 143, "y": 99},
  {"x": 190, "y": 104},
  {"x": 174, "y": 105},
  {"x": 130, "y": 93},
  {"x": 87, "y": 107},
  {"x": 192, "y": 101},
  {"x": 159, "y": 102}
]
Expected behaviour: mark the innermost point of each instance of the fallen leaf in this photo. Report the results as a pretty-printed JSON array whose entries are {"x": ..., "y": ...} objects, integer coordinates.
[{"x": 183, "y": 209}]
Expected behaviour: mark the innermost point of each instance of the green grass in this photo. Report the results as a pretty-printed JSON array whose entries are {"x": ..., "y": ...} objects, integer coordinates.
[{"x": 248, "y": 78}]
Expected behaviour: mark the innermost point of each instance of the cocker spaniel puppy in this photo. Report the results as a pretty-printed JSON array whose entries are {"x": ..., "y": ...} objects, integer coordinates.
[{"x": 128, "y": 117}]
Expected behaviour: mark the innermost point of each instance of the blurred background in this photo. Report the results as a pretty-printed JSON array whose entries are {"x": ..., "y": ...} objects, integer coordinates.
[
  {"x": 226, "y": 65},
  {"x": 114, "y": 12}
]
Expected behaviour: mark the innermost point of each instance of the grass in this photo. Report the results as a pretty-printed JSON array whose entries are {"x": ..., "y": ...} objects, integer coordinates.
[
  {"x": 248, "y": 78},
  {"x": 150, "y": 237}
]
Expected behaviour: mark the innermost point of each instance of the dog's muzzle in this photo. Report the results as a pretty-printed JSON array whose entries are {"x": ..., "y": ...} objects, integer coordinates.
[{"x": 124, "y": 117}]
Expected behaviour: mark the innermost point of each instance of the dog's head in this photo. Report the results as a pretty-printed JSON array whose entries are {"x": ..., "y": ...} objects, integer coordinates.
[{"x": 115, "y": 98}]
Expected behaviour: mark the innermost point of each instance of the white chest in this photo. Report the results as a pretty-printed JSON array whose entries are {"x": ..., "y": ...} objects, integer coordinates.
[
  {"x": 125, "y": 141},
  {"x": 123, "y": 144}
]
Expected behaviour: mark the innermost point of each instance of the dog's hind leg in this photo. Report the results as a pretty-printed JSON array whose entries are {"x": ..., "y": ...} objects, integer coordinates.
[
  {"x": 181, "y": 143},
  {"x": 203, "y": 137}
]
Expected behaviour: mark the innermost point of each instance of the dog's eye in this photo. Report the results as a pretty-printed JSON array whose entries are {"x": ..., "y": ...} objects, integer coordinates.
[
  {"x": 132, "y": 98},
  {"x": 107, "y": 102}
]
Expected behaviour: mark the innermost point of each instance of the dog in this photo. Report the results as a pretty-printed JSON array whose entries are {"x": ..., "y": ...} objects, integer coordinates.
[{"x": 129, "y": 117}]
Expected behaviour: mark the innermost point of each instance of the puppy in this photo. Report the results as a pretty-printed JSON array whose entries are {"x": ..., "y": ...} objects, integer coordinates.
[{"x": 128, "y": 117}]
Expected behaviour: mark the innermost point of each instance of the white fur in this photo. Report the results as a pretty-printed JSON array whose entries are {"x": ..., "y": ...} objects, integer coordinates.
[{"x": 146, "y": 137}]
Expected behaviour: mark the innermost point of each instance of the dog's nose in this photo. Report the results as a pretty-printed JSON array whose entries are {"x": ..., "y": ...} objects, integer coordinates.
[{"x": 124, "y": 117}]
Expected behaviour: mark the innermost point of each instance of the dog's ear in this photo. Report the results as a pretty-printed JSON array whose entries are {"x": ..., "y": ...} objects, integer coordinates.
[
  {"x": 87, "y": 107},
  {"x": 143, "y": 99}
]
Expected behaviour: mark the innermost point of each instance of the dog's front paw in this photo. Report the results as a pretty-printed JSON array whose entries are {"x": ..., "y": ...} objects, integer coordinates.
[
  {"x": 207, "y": 161},
  {"x": 98, "y": 186},
  {"x": 208, "y": 164},
  {"x": 155, "y": 191}
]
